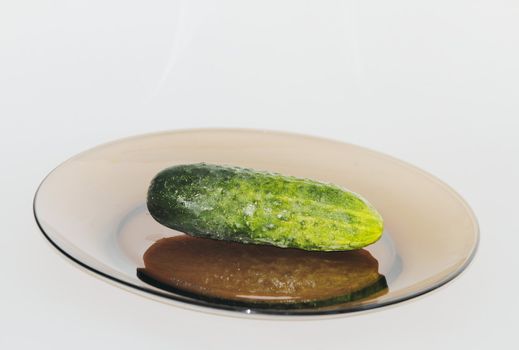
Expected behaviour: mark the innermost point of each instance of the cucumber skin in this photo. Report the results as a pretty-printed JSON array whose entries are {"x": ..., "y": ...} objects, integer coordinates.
[{"x": 249, "y": 206}]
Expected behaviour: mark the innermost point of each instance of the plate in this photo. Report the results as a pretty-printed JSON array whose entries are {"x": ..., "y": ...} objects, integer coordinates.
[{"x": 92, "y": 208}]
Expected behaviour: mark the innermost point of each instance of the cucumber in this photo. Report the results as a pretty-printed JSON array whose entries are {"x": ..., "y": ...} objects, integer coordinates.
[{"x": 256, "y": 207}]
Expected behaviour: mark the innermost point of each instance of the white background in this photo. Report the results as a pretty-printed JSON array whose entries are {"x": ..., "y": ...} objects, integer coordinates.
[{"x": 435, "y": 83}]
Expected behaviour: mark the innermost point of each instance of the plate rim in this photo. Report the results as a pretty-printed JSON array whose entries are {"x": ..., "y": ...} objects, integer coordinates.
[{"x": 244, "y": 311}]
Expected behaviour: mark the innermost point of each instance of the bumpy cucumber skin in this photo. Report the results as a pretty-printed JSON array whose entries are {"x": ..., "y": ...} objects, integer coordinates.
[{"x": 249, "y": 206}]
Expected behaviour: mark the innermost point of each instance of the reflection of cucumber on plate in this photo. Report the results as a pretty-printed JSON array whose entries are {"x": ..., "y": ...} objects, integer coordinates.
[
  {"x": 248, "y": 206},
  {"x": 260, "y": 275}
]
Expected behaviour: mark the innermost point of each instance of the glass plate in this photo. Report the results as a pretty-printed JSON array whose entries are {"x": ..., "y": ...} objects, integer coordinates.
[{"x": 92, "y": 208}]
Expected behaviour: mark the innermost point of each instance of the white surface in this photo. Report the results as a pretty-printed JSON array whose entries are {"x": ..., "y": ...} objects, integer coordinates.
[{"x": 433, "y": 83}]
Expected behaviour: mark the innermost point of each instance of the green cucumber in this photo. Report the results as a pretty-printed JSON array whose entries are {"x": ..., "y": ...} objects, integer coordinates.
[{"x": 249, "y": 206}]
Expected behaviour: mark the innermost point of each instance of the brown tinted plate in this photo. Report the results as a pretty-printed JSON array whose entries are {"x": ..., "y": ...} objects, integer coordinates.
[{"x": 92, "y": 209}]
